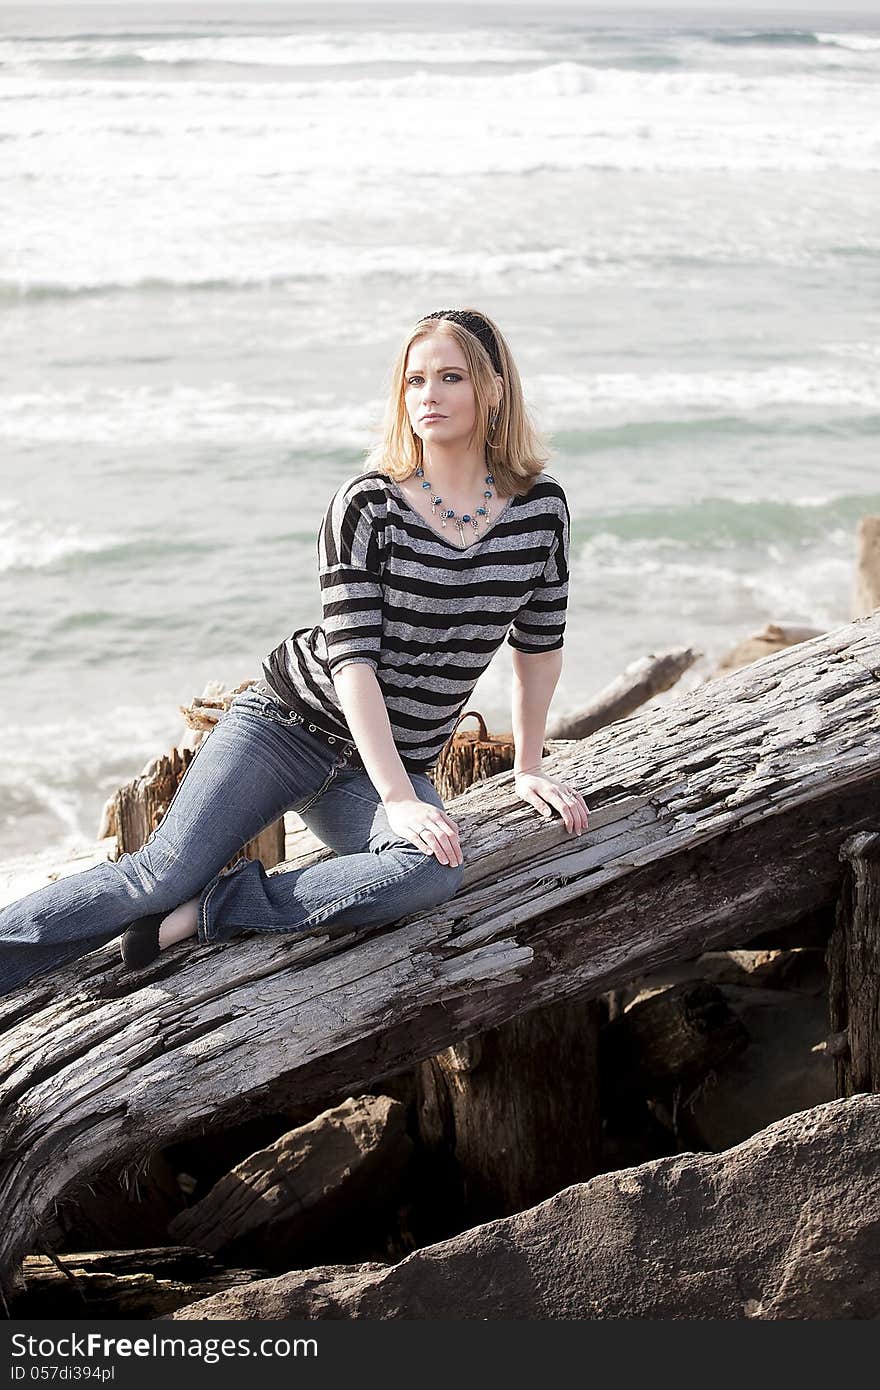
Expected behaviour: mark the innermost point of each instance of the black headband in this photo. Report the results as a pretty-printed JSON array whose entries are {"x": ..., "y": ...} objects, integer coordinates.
[{"x": 477, "y": 325}]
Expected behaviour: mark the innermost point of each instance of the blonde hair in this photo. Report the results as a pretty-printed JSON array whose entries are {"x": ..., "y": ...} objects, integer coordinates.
[{"x": 515, "y": 451}]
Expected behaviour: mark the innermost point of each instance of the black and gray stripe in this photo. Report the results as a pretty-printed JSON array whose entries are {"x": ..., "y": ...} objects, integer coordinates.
[{"x": 425, "y": 614}]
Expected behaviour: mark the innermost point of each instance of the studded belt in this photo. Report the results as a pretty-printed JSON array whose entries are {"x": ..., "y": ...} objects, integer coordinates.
[{"x": 334, "y": 741}]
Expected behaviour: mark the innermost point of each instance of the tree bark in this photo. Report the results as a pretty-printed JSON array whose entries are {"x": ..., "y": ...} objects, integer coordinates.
[
  {"x": 712, "y": 817},
  {"x": 122, "y": 1283},
  {"x": 516, "y": 1109},
  {"x": 853, "y": 960}
]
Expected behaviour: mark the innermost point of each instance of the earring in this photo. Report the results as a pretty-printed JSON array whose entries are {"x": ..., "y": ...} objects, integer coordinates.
[{"x": 493, "y": 417}]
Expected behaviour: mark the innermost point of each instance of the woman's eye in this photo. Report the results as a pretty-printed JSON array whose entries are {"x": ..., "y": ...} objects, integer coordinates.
[{"x": 414, "y": 380}]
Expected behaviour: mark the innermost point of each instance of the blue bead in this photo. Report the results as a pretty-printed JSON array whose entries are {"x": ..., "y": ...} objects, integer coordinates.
[
  {"x": 420, "y": 472},
  {"x": 426, "y": 484},
  {"x": 466, "y": 517},
  {"x": 487, "y": 494},
  {"x": 489, "y": 478},
  {"x": 481, "y": 511},
  {"x": 438, "y": 499}
]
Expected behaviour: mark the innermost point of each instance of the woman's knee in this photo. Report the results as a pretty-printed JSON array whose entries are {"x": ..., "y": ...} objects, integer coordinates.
[
  {"x": 429, "y": 881},
  {"x": 159, "y": 875},
  {"x": 451, "y": 879}
]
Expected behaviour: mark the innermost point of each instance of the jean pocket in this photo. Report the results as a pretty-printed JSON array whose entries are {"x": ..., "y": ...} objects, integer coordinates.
[
  {"x": 258, "y": 702},
  {"x": 336, "y": 752}
]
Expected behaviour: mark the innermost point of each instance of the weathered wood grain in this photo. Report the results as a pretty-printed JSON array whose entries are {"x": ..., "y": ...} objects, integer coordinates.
[
  {"x": 146, "y": 1283},
  {"x": 513, "y": 1112},
  {"x": 712, "y": 819},
  {"x": 853, "y": 959}
]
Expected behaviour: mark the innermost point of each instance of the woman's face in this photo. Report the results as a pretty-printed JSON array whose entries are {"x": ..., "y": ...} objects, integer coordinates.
[{"x": 439, "y": 392}]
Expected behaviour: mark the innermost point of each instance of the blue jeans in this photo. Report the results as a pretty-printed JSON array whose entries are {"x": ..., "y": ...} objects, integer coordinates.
[{"x": 258, "y": 762}]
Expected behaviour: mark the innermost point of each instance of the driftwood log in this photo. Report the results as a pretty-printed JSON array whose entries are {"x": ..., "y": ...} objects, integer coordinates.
[
  {"x": 716, "y": 815},
  {"x": 866, "y": 589},
  {"x": 636, "y": 684},
  {"x": 122, "y": 1283},
  {"x": 773, "y": 637},
  {"x": 515, "y": 1109},
  {"x": 853, "y": 959}
]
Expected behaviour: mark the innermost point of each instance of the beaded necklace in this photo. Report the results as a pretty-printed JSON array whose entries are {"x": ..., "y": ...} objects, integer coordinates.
[{"x": 447, "y": 513}]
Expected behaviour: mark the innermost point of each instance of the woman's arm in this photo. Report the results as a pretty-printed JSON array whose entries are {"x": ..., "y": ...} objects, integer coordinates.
[
  {"x": 367, "y": 718},
  {"x": 420, "y": 822},
  {"x": 535, "y": 677}
]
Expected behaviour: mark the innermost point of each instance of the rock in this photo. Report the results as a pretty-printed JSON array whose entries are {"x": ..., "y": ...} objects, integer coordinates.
[
  {"x": 786, "y": 1225},
  {"x": 306, "y": 1293},
  {"x": 783, "y": 1069},
  {"x": 340, "y": 1169}
]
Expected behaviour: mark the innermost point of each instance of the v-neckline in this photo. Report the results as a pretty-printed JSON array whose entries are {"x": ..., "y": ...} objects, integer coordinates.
[{"x": 462, "y": 549}]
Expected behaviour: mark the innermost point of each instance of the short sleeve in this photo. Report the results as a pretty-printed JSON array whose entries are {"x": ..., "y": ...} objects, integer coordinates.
[
  {"x": 349, "y": 572},
  {"x": 540, "y": 625}
]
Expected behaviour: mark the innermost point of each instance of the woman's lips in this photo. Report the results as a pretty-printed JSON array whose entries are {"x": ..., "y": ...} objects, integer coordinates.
[{"x": 426, "y": 419}]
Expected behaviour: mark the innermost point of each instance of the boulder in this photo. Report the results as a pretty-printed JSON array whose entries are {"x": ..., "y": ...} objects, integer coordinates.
[
  {"x": 327, "y": 1184},
  {"x": 785, "y": 1225}
]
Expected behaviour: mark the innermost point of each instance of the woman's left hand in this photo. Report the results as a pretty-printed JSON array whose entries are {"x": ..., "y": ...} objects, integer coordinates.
[{"x": 545, "y": 794}]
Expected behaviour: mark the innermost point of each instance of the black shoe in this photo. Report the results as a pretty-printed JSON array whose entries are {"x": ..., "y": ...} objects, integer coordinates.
[{"x": 140, "y": 941}]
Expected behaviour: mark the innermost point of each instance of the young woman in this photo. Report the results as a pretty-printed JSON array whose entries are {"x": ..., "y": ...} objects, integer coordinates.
[{"x": 453, "y": 538}]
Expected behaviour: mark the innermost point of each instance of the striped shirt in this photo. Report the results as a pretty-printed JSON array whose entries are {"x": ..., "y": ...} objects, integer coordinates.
[{"x": 425, "y": 613}]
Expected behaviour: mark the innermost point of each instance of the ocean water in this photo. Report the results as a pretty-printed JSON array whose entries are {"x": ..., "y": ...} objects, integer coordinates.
[{"x": 219, "y": 221}]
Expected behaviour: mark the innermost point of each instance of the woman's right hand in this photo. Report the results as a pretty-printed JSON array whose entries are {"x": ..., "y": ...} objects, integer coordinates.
[{"x": 427, "y": 827}]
